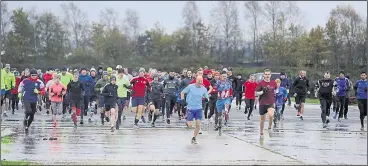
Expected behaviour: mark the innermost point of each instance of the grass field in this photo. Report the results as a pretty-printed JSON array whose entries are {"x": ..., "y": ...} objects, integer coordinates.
[{"x": 17, "y": 163}]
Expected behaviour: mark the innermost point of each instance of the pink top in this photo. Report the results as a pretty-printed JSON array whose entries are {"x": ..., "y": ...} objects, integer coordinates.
[{"x": 55, "y": 90}]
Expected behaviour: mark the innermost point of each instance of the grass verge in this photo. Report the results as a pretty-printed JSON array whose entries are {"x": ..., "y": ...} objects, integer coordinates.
[{"x": 4, "y": 162}]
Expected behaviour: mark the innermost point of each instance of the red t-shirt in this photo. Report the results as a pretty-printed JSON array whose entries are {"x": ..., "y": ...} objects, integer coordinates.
[
  {"x": 250, "y": 88},
  {"x": 205, "y": 83},
  {"x": 139, "y": 86},
  {"x": 148, "y": 77},
  {"x": 268, "y": 96}
]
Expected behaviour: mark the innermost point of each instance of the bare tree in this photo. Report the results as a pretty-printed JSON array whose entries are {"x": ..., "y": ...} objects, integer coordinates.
[
  {"x": 108, "y": 18},
  {"x": 254, "y": 12},
  {"x": 225, "y": 16},
  {"x": 131, "y": 23},
  {"x": 192, "y": 18},
  {"x": 77, "y": 23},
  {"x": 273, "y": 12},
  {"x": 5, "y": 22}
]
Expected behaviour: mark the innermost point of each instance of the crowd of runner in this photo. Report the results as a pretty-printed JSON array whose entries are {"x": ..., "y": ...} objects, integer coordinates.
[{"x": 192, "y": 94}]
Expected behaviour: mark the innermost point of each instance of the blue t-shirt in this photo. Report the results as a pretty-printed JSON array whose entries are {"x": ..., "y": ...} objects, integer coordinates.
[{"x": 194, "y": 96}]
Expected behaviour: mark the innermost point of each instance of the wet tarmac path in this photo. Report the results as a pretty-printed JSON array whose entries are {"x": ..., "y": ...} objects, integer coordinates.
[{"x": 292, "y": 142}]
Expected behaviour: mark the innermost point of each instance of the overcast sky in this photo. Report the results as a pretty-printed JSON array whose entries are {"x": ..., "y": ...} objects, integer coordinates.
[{"x": 169, "y": 13}]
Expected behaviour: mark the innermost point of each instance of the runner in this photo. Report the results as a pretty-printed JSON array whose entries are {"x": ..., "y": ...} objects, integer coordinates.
[
  {"x": 48, "y": 101},
  {"x": 98, "y": 89},
  {"x": 155, "y": 98},
  {"x": 122, "y": 81},
  {"x": 171, "y": 85},
  {"x": 88, "y": 85},
  {"x": 301, "y": 88},
  {"x": 56, "y": 92},
  {"x": 325, "y": 92},
  {"x": 249, "y": 86},
  {"x": 213, "y": 96},
  {"x": 224, "y": 91},
  {"x": 3, "y": 91},
  {"x": 29, "y": 89},
  {"x": 65, "y": 79},
  {"x": 285, "y": 82},
  {"x": 266, "y": 92},
  {"x": 361, "y": 92},
  {"x": 281, "y": 98},
  {"x": 347, "y": 98},
  {"x": 342, "y": 87},
  {"x": 75, "y": 89},
  {"x": 110, "y": 92},
  {"x": 15, "y": 99},
  {"x": 238, "y": 90},
  {"x": 138, "y": 93},
  {"x": 183, "y": 84},
  {"x": 195, "y": 93},
  {"x": 9, "y": 85}
]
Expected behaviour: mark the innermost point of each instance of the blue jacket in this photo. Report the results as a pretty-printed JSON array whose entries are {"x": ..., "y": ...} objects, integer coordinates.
[
  {"x": 88, "y": 83},
  {"x": 285, "y": 83},
  {"x": 280, "y": 93},
  {"x": 360, "y": 88},
  {"x": 342, "y": 86},
  {"x": 27, "y": 86}
]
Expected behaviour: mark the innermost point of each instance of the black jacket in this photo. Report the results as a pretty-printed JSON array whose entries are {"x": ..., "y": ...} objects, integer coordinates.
[
  {"x": 75, "y": 90},
  {"x": 185, "y": 82},
  {"x": 110, "y": 92},
  {"x": 157, "y": 90},
  {"x": 301, "y": 85},
  {"x": 238, "y": 87}
]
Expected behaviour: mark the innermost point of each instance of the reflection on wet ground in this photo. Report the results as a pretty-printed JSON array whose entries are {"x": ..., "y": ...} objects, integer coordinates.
[{"x": 292, "y": 142}]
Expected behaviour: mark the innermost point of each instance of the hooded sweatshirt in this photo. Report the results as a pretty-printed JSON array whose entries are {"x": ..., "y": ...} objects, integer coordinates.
[{"x": 88, "y": 83}]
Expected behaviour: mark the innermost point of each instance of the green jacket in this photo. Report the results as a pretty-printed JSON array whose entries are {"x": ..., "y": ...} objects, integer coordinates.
[
  {"x": 122, "y": 84},
  {"x": 65, "y": 79},
  {"x": 9, "y": 80},
  {"x": 3, "y": 73},
  {"x": 100, "y": 84}
]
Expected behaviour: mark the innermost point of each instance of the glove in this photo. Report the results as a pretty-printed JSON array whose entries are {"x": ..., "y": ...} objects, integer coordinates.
[
  {"x": 285, "y": 99},
  {"x": 60, "y": 95},
  {"x": 308, "y": 92},
  {"x": 295, "y": 94},
  {"x": 206, "y": 100},
  {"x": 20, "y": 95},
  {"x": 36, "y": 91}
]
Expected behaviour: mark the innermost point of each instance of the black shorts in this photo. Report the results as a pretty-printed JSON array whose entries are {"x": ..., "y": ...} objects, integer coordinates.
[
  {"x": 76, "y": 104},
  {"x": 263, "y": 109},
  {"x": 157, "y": 103},
  {"x": 300, "y": 98},
  {"x": 108, "y": 106}
]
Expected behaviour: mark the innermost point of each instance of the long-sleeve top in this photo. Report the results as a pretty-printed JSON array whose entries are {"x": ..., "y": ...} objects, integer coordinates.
[
  {"x": 27, "y": 87},
  {"x": 110, "y": 92},
  {"x": 88, "y": 84},
  {"x": 56, "y": 92},
  {"x": 360, "y": 89},
  {"x": 75, "y": 89},
  {"x": 280, "y": 94}
]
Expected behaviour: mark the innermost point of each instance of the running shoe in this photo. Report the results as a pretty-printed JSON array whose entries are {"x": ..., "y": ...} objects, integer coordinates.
[
  {"x": 324, "y": 125},
  {"x": 107, "y": 119},
  {"x": 194, "y": 141},
  {"x": 153, "y": 125},
  {"x": 143, "y": 119},
  {"x": 168, "y": 121},
  {"x": 335, "y": 116}
]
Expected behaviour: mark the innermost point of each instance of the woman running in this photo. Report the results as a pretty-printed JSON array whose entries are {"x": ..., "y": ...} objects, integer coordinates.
[
  {"x": 110, "y": 92},
  {"x": 56, "y": 93}
]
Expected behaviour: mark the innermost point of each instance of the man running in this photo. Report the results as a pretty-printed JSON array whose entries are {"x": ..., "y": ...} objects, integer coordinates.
[
  {"x": 361, "y": 92},
  {"x": 9, "y": 85},
  {"x": 155, "y": 98},
  {"x": 75, "y": 89},
  {"x": 342, "y": 87},
  {"x": 171, "y": 85},
  {"x": 110, "y": 92},
  {"x": 213, "y": 96},
  {"x": 88, "y": 85},
  {"x": 238, "y": 90},
  {"x": 65, "y": 78},
  {"x": 266, "y": 92},
  {"x": 56, "y": 92},
  {"x": 29, "y": 89},
  {"x": 250, "y": 87},
  {"x": 139, "y": 84},
  {"x": 301, "y": 87},
  {"x": 325, "y": 92},
  {"x": 98, "y": 89},
  {"x": 195, "y": 93},
  {"x": 224, "y": 91},
  {"x": 122, "y": 81}
]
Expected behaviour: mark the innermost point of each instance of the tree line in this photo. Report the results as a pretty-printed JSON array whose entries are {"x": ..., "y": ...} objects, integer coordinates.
[{"x": 275, "y": 38}]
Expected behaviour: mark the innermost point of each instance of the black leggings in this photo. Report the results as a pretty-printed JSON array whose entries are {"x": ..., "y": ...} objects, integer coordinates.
[
  {"x": 362, "y": 105},
  {"x": 170, "y": 103},
  {"x": 212, "y": 106},
  {"x": 30, "y": 110},
  {"x": 15, "y": 101},
  {"x": 346, "y": 107},
  {"x": 205, "y": 106},
  {"x": 249, "y": 105},
  {"x": 340, "y": 105},
  {"x": 238, "y": 96},
  {"x": 325, "y": 108}
]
